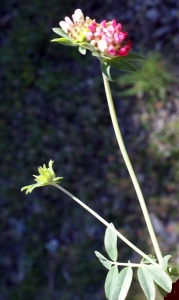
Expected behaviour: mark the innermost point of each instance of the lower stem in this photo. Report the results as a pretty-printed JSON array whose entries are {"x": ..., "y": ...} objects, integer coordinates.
[
  {"x": 130, "y": 169},
  {"x": 106, "y": 224}
]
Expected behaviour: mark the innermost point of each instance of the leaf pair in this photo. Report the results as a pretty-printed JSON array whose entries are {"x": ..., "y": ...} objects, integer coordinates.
[
  {"x": 110, "y": 243},
  {"x": 122, "y": 63},
  {"x": 148, "y": 275},
  {"x": 117, "y": 285}
]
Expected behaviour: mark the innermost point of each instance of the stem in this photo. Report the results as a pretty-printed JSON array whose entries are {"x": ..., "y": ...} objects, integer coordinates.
[
  {"x": 106, "y": 224},
  {"x": 129, "y": 264},
  {"x": 130, "y": 169}
]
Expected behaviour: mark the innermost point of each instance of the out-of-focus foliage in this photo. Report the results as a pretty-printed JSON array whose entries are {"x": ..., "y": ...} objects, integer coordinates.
[
  {"x": 53, "y": 106},
  {"x": 155, "y": 79}
]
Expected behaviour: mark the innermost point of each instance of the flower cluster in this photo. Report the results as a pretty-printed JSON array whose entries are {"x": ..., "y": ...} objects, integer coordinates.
[
  {"x": 106, "y": 37},
  {"x": 109, "y": 38}
]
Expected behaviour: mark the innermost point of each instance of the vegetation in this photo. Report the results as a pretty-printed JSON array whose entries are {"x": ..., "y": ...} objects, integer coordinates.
[{"x": 48, "y": 111}]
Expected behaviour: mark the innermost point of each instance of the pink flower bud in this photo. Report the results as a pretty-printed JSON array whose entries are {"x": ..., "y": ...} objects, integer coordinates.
[
  {"x": 89, "y": 36},
  {"x": 113, "y": 23},
  {"x": 119, "y": 27},
  {"x": 92, "y": 27},
  {"x": 103, "y": 24},
  {"x": 111, "y": 51}
]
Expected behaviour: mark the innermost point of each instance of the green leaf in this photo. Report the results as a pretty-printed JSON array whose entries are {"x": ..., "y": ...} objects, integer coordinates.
[
  {"x": 165, "y": 262},
  {"x": 122, "y": 284},
  {"x": 120, "y": 64},
  {"x": 110, "y": 243},
  {"x": 87, "y": 46},
  {"x": 105, "y": 68},
  {"x": 65, "y": 42},
  {"x": 133, "y": 57},
  {"x": 60, "y": 31},
  {"x": 105, "y": 262},
  {"x": 82, "y": 50},
  {"x": 162, "y": 291},
  {"x": 160, "y": 277},
  {"x": 110, "y": 280},
  {"x": 146, "y": 283}
]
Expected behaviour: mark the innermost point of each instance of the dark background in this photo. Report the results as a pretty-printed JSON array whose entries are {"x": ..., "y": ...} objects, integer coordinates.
[{"x": 53, "y": 106}]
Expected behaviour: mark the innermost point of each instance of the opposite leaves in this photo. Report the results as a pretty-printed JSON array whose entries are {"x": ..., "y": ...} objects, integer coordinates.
[{"x": 122, "y": 284}]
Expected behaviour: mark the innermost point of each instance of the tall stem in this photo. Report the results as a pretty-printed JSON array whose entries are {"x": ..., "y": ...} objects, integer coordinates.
[
  {"x": 106, "y": 224},
  {"x": 130, "y": 169}
]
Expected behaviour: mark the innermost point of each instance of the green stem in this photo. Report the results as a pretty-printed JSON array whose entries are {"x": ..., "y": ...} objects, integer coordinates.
[
  {"x": 132, "y": 265},
  {"x": 130, "y": 169},
  {"x": 106, "y": 224}
]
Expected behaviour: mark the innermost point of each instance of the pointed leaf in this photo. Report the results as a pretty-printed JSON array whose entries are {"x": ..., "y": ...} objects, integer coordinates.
[
  {"x": 146, "y": 283},
  {"x": 122, "y": 65},
  {"x": 103, "y": 260},
  {"x": 122, "y": 284},
  {"x": 65, "y": 42},
  {"x": 110, "y": 280},
  {"x": 105, "y": 68},
  {"x": 110, "y": 243},
  {"x": 160, "y": 277},
  {"x": 134, "y": 57},
  {"x": 60, "y": 31},
  {"x": 165, "y": 262},
  {"x": 82, "y": 50}
]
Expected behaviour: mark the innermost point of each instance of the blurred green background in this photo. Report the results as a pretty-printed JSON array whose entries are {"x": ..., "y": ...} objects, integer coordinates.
[{"x": 53, "y": 106}]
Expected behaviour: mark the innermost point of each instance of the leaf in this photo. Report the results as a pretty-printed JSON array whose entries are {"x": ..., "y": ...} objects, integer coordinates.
[
  {"x": 160, "y": 277},
  {"x": 82, "y": 50},
  {"x": 105, "y": 262},
  {"x": 110, "y": 243},
  {"x": 122, "y": 284},
  {"x": 105, "y": 68},
  {"x": 146, "y": 283},
  {"x": 110, "y": 280},
  {"x": 65, "y": 42},
  {"x": 60, "y": 32},
  {"x": 165, "y": 262},
  {"x": 162, "y": 291},
  {"x": 87, "y": 46},
  {"x": 134, "y": 57},
  {"x": 120, "y": 64}
]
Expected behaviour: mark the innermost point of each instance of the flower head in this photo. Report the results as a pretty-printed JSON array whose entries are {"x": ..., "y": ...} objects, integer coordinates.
[
  {"x": 107, "y": 38},
  {"x": 46, "y": 177}
]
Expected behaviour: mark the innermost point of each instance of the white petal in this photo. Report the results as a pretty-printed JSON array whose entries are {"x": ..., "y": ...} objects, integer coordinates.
[
  {"x": 64, "y": 26},
  {"x": 78, "y": 16},
  {"x": 102, "y": 45},
  {"x": 68, "y": 21}
]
